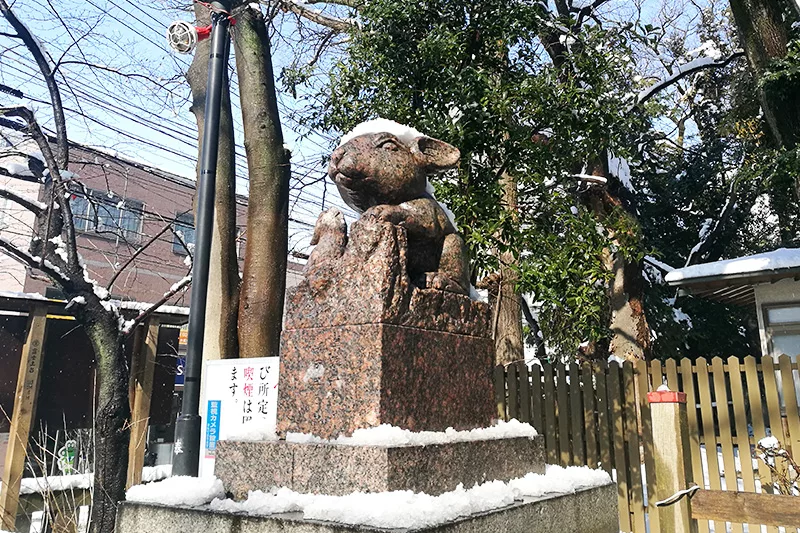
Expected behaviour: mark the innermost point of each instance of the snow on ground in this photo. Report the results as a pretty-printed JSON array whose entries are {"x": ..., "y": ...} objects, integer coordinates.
[
  {"x": 775, "y": 260},
  {"x": 405, "y": 509},
  {"x": 178, "y": 491},
  {"x": 34, "y": 485},
  {"x": 156, "y": 473},
  {"x": 388, "y": 435},
  {"x": 40, "y": 485}
]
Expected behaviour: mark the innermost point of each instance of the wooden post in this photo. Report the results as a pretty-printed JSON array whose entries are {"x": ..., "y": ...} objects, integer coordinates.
[
  {"x": 30, "y": 366},
  {"x": 673, "y": 462},
  {"x": 142, "y": 368}
]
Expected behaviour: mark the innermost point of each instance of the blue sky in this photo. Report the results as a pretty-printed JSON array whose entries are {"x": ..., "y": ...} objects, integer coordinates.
[{"x": 142, "y": 109}]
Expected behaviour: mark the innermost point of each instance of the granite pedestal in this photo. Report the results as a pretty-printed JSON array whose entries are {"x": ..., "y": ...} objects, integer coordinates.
[
  {"x": 363, "y": 346},
  {"x": 588, "y": 511},
  {"x": 342, "y": 469}
]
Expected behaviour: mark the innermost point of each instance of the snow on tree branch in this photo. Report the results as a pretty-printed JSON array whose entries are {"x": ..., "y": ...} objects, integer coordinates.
[
  {"x": 13, "y": 251},
  {"x": 128, "y": 327},
  {"x": 30, "y": 204},
  {"x": 712, "y": 228},
  {"x": 681, "y": 71}
]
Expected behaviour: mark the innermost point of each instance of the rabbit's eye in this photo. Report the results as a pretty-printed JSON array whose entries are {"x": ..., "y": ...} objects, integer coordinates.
[{"x": 389, "y": 144}]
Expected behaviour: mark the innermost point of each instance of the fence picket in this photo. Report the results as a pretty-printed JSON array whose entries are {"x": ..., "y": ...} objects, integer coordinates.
[
  {"x": 754, "y": 395},
  {"x": 524, "y": 392},
  {"x": 709, "y": 438},
  {"x": 647, "y": 441},
  {"x": 603, "y": 427},
  {"x": 499, "y": 376},
  {"x": 536, "y": 400},
  {"x": 615, "y": 404},
  {"x": 590, "y": 428},
  {"x": 636, "y": 493},
  {"x": 790, "y": 401},
  {"x": 725, "y": 435},
  {"x": 576, "y": 416},
  {"x": 672, "y": 374},
  {"x": 512, "y": 406},
  {"x": 740, "y": 426},
  {"x": 773, "y": 398},
  {"x": 550, "y": 426},
  {"x": 563, "y": 416}
]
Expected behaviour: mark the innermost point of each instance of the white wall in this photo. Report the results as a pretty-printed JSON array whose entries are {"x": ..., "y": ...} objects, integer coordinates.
[
  {"x": 16, "y": 225},
  {"x": 785, "y": 291}
]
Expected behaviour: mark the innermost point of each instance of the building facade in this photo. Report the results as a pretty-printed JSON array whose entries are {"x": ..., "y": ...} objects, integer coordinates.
[{"x": 119, "y": 205}]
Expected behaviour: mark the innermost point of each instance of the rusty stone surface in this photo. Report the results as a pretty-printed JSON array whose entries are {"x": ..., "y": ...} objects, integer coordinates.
[
  {"x": 337, "y": 379},
  {"x": 432, "y": 469},
  {"x": 369, "y": 284}
]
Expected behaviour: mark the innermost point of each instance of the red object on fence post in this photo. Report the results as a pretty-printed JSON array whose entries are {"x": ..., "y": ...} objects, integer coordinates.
[{"x": 666, "y": 396}]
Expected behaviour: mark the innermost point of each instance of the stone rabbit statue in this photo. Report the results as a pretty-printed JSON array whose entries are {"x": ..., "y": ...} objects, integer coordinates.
[{"x": 384, "y": 176}]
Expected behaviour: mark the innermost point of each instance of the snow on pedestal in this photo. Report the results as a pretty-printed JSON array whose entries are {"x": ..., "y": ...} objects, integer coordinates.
[{"x": 391, "y": 510}]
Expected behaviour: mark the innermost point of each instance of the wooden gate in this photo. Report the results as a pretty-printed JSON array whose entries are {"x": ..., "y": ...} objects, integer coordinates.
[{"x": 598, "y": 416}]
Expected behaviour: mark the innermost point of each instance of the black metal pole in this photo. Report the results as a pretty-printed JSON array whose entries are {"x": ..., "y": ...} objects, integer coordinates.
[{"x": 186, "y": 453}]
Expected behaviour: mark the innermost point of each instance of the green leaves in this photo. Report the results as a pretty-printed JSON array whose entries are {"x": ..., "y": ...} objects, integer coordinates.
[{"x": 478, "y": 75}]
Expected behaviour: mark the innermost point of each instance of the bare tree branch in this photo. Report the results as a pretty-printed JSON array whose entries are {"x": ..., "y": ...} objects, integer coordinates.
[
  {"x": 682, "y": 73},
  {"x": 24, "y": 257},
  {"x": 46, "y": 68},
  {"x": 586, "y": 11},
  {"x": 315, "y": 16},
  {"x": 355, "y": 4},
  {"x": 130, "y": 75},
  {"x": 130, "y": 326},
  {"x": 136, "y": 254},
  {"x": 34, "y": 206},
  {"x": 59, "y": 189}
]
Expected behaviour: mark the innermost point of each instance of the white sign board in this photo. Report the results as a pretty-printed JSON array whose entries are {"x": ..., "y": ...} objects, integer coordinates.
[{"x": 239, "y": 396}]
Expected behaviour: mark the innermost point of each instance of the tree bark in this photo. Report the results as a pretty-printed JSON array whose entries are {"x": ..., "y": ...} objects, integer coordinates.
[
  {"x": 264, "y": 277},
  {"x": 630, "y": 332},
  {"x": 508, "y": 341},
  {"x": 220, "y": 340},
  {"x": 764, "y": 28},
  {"x": 112, "y": 420}
]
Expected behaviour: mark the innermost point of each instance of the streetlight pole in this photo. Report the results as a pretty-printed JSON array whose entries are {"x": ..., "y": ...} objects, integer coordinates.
[{"x": 186, "y": 453}]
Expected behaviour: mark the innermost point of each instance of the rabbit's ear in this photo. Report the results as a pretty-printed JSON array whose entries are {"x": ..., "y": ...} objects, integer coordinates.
[{"x": 436, "y": 155}]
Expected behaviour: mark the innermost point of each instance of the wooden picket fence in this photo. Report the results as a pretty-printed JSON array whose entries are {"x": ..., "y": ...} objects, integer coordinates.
[{"x": 598, "y": 415}]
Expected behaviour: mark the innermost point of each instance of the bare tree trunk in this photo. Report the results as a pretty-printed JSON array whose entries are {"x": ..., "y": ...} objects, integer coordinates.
[
  {"x": 220, "y": 341},
  {"x": 508, "y": 340},
  {"x": 112, "y": 421},
  {"x": 630, "y": 332},
  {"x": 264, "y": 278}
]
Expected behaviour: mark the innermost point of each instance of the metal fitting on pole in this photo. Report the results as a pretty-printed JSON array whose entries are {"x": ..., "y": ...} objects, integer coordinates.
[{"x": 186, "y": 453}]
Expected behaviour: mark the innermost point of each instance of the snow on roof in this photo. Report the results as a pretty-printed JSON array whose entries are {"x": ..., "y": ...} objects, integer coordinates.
[
  {"x": 131, "y": 306},
  {"x": 783, "y": 258},
  {"x": 406, "y": 134}
]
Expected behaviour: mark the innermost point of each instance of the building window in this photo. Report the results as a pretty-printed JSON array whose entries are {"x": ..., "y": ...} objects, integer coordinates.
[
  {"x": 106, "y": 213},
  {"x": 783, "y": 330},
  {"x": 184, "y": 226}
]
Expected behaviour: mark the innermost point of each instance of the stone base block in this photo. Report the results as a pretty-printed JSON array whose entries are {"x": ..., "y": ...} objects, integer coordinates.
[
  {"x": 589, "y": 511},
  {"x": 337, "y": 379},
  {"x": 432, "y": 469}
]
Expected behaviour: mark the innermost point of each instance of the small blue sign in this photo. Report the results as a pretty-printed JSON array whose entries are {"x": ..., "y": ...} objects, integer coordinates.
[
  {"x": 212, "y": 427},
  {"x": 179, "y": 371}
]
